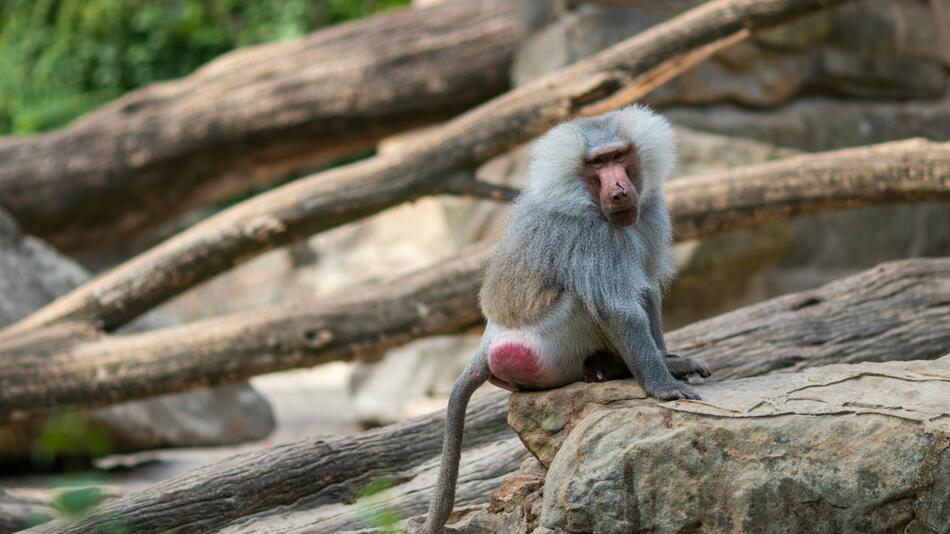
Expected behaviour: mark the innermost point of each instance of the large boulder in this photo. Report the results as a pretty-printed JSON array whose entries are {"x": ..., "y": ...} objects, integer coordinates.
[
  {"x": 862, "y": 49},
  {"x": 821, "y": 123},
  {"x": 32, "y": 274},
  {"x": 843, "y": 448}
]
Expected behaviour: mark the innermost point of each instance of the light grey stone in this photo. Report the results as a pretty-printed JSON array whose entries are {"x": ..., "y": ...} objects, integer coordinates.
[{"x": 844, "y": 448}]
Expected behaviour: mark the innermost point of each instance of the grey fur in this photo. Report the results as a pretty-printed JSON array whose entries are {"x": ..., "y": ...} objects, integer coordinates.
[{"x": 610, "y": 278}]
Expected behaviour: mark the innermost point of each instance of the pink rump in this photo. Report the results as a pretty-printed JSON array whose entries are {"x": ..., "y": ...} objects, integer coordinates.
[{"x": 515, "y": 362}]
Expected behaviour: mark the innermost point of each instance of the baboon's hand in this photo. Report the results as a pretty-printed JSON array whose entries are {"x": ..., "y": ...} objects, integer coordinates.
[
  {"x": 672, "y": 390},
  {"x": 681, "y": 368}
]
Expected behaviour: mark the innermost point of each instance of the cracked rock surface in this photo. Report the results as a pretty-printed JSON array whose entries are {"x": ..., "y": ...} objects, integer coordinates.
[{"x": 842, "y": 448}]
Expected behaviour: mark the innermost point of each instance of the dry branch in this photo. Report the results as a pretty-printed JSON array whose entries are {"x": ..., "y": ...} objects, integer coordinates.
[
  {"x": 254, "y": 117},
  {"x": 437, "y": 300},
  {"x": 890, "y": 312},
  {"x": 108, "y": 369},
  {"x": 905, "y": 171},
  {"x": 348, "y": 193}
]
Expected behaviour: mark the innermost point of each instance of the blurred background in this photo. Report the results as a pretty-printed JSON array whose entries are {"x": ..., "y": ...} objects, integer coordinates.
[{"x": 865, "y": 72}]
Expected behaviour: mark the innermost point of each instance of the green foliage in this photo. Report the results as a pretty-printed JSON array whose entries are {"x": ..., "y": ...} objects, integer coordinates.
[
  {"x": 69, "y": 434},
  {"x": 77, "y": 495},
  {"x": 374, "y": 512},
  {"x": 60, "y": 58},
  {"x": 75, "y": 501}
]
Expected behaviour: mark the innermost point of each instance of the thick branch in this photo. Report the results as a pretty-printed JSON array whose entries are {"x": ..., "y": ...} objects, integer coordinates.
[
  {"x": 230, "y": 348},
  {"x": 347, "y": 193},
  {"x": 905, "y": 171},
  {"x": 889, "y": 312},
  {"x": 437, "y": 300},
  {"x": 254, "y": 117}
]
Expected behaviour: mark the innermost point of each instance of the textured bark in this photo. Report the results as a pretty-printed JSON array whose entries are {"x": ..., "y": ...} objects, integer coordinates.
[
  {"x": 311, "y": 484},
  {"x": 254, "y": 117},
  {"x": 347, "y": 193},
  {"x": 897, "y": 311},
  {"x": 906, "y": 171},
  {"x": 437, "y": 300},
  {"x": 82, "y": 368}
]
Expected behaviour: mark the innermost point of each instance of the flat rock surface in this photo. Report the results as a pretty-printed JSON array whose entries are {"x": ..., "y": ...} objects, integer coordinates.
[{"x": 842, "y": 448}]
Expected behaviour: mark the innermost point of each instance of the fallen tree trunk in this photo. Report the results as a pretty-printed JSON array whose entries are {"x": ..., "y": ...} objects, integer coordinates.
[
  {"x": 84, "y": 371},
  {"x": 347, "y": 193},
  {"x": 312, "y": 484},
  {"x": 903, "y": 171},
  {"x": 88, "y": 370},
  {"x": 862, "y": 448},
  {"x": 255, "y": 117}
]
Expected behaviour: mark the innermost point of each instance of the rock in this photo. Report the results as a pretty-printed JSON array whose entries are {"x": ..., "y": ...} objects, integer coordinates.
[
  {"x": 744, "y": 74},
  {"x": 700, "y": 151},
  {"x": 798, "y": 34},
  {"x": 863, "y": 448},
  {"x": 33, "y": 274},
  {"x": 515, "y": 488},
  {"x": 514, "y": 507},
  {"x": 816, "y": 124},
  {"x": 861, "y": 49},
  {"x": 388, "y": 391},
  {"x": 884, "y": 49},
  {"x": 224, "y": 415}
]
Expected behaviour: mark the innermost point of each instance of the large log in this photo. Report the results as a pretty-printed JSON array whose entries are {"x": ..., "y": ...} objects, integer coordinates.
[
  {"x": 255, "y": 117},
  {"x": 88, "y": 369},
  {"x": 310, "y": 485},
  {"x": 904, "y": 171},
  {"x": 111, "y": 368},
  {"x": 343, "y": 194}
]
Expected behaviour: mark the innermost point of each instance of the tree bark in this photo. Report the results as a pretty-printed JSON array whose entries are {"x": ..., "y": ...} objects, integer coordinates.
[
  {"x": 905, "y": 171},
  {"x": 254, "y": 117},
  {"x": 83, "y": 372},
  {"x": 344, "y": 194},
  {"x": 893, "y": 311},
  {"x": 88, "y": 371}
]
